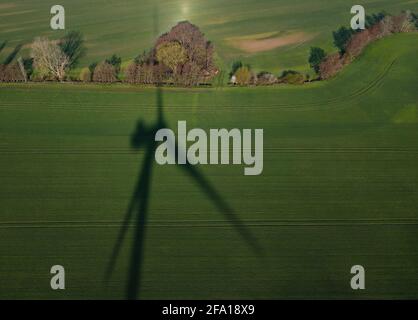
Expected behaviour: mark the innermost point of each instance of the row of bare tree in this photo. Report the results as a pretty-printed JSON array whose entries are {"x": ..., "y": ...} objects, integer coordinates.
[
  {"x": 379, "y": 26},
  {"x": 184, "y": 57}
]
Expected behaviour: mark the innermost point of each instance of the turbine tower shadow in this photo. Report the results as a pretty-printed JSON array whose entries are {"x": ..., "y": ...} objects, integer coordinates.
[{"x": 144, "y": 137}]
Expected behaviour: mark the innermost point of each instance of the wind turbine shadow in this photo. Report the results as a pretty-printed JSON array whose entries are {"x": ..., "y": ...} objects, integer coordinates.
[
  {"x": 138, "y": 209},
  {"x": 143, "y": 137}
]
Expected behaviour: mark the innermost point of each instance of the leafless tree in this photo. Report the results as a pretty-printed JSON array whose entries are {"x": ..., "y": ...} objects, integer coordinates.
[
  {"x": 331, "y": 66},
  {"x": 357, "y": 43},
  {"x": 105, "y": 72},
  {"x": 49, "y": 59},
  {"x": 11, "y": 73},
  {"x": 403, "y": 23}
]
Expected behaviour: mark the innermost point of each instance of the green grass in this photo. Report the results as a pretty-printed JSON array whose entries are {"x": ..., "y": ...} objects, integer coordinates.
[
  {"x": 339, "y": 188},
  {"x": 125, "y": 27}
]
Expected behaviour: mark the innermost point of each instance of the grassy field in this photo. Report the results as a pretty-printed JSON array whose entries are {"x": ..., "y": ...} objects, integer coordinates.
[
  {"x": 125, "y": 27},
  {"x": 339, "y": 188}
]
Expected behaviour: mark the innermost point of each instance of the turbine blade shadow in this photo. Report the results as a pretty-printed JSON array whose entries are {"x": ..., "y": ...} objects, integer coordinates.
[{"x": 223, "y": 207}]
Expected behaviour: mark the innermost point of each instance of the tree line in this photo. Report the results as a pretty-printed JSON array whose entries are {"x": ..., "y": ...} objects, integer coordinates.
[
  {"x": 181, "y": 56},
  {"x": 184, "y": 57},
  {"x": 350, "y": 43},
  {"x": 49, "y": 60}
]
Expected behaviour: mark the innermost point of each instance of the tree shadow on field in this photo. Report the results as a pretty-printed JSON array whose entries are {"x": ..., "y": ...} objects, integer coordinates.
[
  {"x": 138, "y": 209},
  {"x": 2, "y": 45},
  {"x": 12, "y": 55}
]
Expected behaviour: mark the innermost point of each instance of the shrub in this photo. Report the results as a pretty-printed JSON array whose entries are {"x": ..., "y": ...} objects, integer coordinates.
[
  {"x": 316, "y": 56},
  {"x": 143, "y": 58},
  {"x": 341, "y": 38},
  {"x": 243, "y": 76},
  {"x": 85, "y": 75},
  {"x": 330, "y": 66},
  {"x": 92, "y": 67},
  {"x": 38, "y": 76},
  {"x": 415, "y": 19},
  {"x": 116, "y": 62},
  {"x": 235, "y": 66},
  {"x": 292, "y": 77},
  {"x": 28, "y": 66},
  {"x": 266, "y": 78},
  {"x": 131, "y": 73},
  {"x": 105, "y": 73},
  {"x": 374, "y": 19}
]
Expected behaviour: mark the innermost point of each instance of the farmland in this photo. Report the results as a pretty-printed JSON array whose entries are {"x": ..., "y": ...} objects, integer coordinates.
[
  {"x": 281, "y": 31},
  {"x": 339, "y": 185}
]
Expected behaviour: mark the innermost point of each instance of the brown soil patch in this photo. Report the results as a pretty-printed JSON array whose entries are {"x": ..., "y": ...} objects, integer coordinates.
[
  {"x": 6, "y": 6},
  {"x": 255, "y": 45}
]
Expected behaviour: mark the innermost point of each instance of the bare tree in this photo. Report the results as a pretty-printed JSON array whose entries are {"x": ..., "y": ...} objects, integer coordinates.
[
  {"x": 331, "y": 65},
  {"x": 22, "y": 68},
  {"x": 11, "y": 73},
  {"x": 105, "y": 72},
  {"x": 357, "y": 43},
  {"x": 49, "y": 59}
]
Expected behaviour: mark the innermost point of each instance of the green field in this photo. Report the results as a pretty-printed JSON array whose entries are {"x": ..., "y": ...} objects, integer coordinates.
[
  {"x": 339, "y": 187},
  {"x": 125, "y": 27}
]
